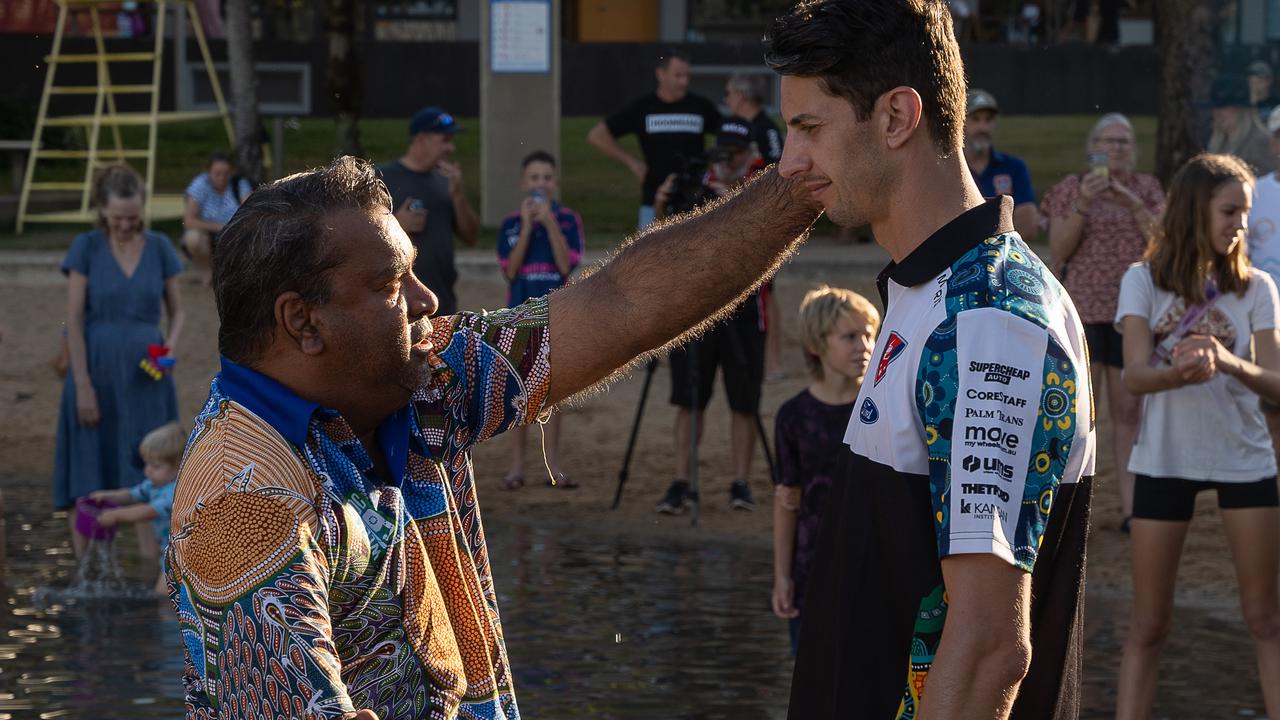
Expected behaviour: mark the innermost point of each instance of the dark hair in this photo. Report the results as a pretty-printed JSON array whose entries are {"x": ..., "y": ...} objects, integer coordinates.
[
  {"x": 278, "y": 242},
  {"x": 218, "y": 156},
  {"x": 670, "y": 54},
  {"x": 1180, "y": 252},
  {"x": 861, "y": 50},
  {"x": 119, "y": 181},
  {"x": 538, "y": 156}
]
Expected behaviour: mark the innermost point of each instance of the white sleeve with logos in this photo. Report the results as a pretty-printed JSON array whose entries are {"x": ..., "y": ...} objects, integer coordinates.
[{"x": 998, "y": 399}]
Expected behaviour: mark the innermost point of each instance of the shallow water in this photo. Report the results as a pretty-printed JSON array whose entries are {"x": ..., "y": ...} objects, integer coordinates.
[{"x": 597, "y": 625}]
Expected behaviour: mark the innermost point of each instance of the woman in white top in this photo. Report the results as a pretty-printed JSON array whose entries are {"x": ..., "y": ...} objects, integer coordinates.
[{"x": 1190, "y": 314}]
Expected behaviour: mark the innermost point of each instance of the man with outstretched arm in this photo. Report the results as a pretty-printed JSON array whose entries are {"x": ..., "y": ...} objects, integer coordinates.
[
  {"x": 328, "y": 558},
  {"x": 949, "y": 576}
]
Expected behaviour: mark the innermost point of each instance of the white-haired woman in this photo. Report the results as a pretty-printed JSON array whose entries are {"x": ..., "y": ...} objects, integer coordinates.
[{"x": 1100, "y": 221}]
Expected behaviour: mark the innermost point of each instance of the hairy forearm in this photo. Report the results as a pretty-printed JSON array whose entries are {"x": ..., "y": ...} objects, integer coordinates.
[
  {"x": 972, "y": 687},
  {"x": 666, "y": 282}
]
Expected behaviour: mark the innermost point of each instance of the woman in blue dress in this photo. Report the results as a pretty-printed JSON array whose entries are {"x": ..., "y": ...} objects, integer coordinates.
[{"x": 119, "y": 276}]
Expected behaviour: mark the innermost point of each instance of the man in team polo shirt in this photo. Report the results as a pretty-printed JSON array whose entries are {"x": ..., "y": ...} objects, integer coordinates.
[
  {"x": 949, "y": 576},
  {"x": 995, "y": 172}
]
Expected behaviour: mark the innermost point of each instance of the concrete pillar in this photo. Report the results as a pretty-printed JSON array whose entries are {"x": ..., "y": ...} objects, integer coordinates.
[
  {"x": 519, "y": 111},
  {"x": 673, "y": 20}
]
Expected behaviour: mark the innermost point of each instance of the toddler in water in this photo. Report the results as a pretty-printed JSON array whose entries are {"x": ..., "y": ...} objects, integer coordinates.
[
  {"x": 151, "y": 499},
  {"x": 838, "y": 331}
]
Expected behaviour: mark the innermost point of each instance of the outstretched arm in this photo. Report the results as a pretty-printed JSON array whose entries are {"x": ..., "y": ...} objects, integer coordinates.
[{"x": 667, "y": 281}]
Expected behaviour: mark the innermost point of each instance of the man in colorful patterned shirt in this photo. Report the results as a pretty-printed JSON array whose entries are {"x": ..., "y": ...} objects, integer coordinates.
[
  {"x": 328, "y": 558},
  {"x": 948, "y": 580}
]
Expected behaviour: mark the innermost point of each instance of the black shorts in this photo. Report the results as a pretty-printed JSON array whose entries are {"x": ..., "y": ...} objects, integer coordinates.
[
  {"x": 1175, "y": 498},
  {"x": 735, "y": 346},
  {"x": 1106, "y": 344}
]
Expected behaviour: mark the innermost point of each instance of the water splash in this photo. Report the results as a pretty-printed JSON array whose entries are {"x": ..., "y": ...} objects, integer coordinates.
[{"x": 99, "y": 578}]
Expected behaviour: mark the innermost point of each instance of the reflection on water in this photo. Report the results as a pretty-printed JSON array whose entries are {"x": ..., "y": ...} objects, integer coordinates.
[{"x": 597, "y": 625}]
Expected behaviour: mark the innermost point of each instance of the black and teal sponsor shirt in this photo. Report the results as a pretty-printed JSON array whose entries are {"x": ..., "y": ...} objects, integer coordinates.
[{"x": 972, "y": 433}]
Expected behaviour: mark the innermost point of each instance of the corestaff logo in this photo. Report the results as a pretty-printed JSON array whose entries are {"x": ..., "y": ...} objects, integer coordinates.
[{"x": 893, "y": 348}]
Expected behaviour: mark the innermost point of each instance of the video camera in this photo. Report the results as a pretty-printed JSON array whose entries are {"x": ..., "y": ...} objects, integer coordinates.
[{"x": 688, "y": 191}]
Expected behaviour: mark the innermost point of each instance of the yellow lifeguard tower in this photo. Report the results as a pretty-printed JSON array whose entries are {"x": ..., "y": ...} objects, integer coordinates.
[{"x": 104, "y": 113}]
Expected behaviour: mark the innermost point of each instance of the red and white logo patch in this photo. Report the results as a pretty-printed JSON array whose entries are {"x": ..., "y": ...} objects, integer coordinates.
[{"x": 893, "y": 347}]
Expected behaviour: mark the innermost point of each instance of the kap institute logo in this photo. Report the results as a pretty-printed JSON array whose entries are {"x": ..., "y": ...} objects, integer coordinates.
[{"x": 893, "y": 347}]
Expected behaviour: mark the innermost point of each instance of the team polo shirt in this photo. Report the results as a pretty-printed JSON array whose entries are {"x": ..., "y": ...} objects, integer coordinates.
[
  {"x": 1006, "y": 175},
  {"x": 670, "y": 134},
  {"x": 972, "y": 433},
  {"x": 539, "y": 274}
]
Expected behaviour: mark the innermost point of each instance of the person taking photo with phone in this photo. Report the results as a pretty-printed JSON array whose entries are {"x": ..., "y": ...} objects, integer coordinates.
[
  {"x": 1099, "y": 224},
  {"x": 430, "y": 201},
  {"x": 539, "y": 245}
]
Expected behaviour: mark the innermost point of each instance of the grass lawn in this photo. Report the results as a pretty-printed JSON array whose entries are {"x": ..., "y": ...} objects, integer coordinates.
[{"x": 603, "y": 191}]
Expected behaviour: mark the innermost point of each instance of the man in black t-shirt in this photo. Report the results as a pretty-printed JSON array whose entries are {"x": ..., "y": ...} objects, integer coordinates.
[
  {"x": 744, "y": 94},
  {"x": 670, "y": 122}
]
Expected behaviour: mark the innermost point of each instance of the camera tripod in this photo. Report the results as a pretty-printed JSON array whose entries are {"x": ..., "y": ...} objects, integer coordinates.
[{"x": 691, "y": 355}]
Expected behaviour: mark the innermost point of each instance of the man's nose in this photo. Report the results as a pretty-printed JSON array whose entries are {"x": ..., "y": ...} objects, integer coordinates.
[
  {"x": 422, "y": 302},
  {"x": 793, "y": 161}
]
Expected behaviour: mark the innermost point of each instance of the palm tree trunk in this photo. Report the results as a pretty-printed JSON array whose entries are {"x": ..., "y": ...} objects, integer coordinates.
[
  {"x": 1189, "y": 41},
  {"x": 344, "y": 76},
  {"x": 244, "y": 90}
]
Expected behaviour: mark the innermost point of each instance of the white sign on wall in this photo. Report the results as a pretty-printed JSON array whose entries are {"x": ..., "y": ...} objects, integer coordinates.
[{"x": 520, "y": 36}]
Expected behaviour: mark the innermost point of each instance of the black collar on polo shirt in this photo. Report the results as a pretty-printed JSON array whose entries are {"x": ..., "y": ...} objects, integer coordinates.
[{"x": 945, "y": 246}]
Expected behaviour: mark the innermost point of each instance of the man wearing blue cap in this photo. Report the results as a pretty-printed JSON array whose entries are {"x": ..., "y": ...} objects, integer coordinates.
[{"x": 427, "y": 193}]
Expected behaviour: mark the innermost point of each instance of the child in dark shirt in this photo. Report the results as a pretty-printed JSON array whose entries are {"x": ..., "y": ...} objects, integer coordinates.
[
  {"x": 538, "y": 246},
  {"x": 837, "y": 330}
]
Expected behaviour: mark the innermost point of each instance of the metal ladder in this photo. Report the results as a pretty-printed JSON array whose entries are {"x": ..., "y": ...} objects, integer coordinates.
[{"x": 105, "y": 114}]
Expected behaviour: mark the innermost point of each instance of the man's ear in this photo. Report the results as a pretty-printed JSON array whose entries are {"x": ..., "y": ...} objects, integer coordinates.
[
  {"x": 294, "y": 318},
  {"x": 900, "y": 110}
]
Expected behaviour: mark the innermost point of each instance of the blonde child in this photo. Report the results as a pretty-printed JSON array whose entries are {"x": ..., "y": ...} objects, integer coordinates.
[
  {"x": 151, "y": 499},
  {"x": 838, "y": 330}
]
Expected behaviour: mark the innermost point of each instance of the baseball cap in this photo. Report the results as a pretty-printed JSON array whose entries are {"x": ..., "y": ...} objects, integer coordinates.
[
  {"x": 734, "y": 132},
  {"x": 1229, "y": 91},
  {"x": 980, "y": 100},
  {"x": 1273, "y": 121},
  {"x": 1258, "y": 67},
  {"x": 432, "y": 119}
]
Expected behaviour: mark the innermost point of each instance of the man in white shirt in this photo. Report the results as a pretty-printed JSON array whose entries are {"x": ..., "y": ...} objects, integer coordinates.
[{"x": 1264, "y": 242}]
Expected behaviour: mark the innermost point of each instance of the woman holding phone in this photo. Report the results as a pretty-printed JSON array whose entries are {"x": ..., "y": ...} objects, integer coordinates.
[
  {"x": 1099, "y": 223},
  {"x": 1200, "y": 346}
]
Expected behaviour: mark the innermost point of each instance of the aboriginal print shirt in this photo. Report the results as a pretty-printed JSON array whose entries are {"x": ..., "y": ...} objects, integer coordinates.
[
  {"x": 307, "y": 587},
  {"x": 972, "y": 434}
]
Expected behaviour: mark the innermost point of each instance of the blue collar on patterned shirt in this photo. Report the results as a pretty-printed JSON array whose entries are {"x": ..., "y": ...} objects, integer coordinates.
[{"x": 290, "y": 415}]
